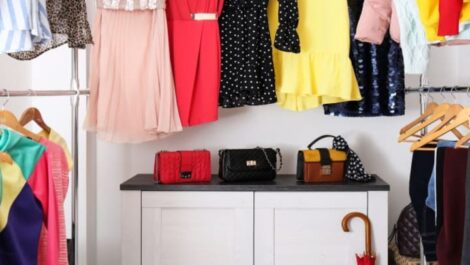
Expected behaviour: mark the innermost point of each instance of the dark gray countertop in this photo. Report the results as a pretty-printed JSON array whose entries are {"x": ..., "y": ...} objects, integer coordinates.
[{"x": 145, "y": 182}]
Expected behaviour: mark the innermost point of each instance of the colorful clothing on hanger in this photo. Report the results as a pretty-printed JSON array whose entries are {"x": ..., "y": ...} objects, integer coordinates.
[
  {"x": 450, "y": 239},
  {"x": 379, "y": 71},
  {"x": 413, "y": 42},
  {"x": 56, "y": 138},
  {"x": 23, "y": 24},
  {"x": 132, "y": 94},
  {"x": 421, "y": 169},
  {"x": 68, "y": 24},
  {"x": 20, "y": 213},
  {"x": 50, "y": 177},
  {"x": 375, "y": 21},
  {"x": 322, "y": 72},
  {"x": 196, "y": 58},
  {"x": 19, "y": 239},
  {"x": 247, "y": 64}
]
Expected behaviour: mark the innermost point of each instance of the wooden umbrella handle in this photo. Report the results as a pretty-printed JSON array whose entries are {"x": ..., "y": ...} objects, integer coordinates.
[{"x": 366, "y": 220}]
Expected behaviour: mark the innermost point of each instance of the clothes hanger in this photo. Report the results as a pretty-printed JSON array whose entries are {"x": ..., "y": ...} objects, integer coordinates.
[
  {"x": 461, "y": 118},
  {"x": 430, "y": 108},
  {"x": 33, "y": 114},
  {"x": 444, "y": 112},
  {"x": 463, "y": 141},
  {"x": 8, "y": 119},
  {"x": 451, "y": 113}
]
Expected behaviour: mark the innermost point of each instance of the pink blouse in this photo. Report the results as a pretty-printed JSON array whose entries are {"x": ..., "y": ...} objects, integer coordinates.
[
  {"x": 50, "y": 183},
  {"x": 376, "y": 20}
]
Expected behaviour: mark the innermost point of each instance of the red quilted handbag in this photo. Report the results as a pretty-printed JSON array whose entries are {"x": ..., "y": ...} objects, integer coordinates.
[{"x": 183, "y": 167}]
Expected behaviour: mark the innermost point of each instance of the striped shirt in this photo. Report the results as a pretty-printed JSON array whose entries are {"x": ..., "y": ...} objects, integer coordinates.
[{"x": 23, "y": 23}]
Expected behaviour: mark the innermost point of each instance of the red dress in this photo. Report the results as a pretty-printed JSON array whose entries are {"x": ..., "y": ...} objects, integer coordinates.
[{"x": 195, "y": 53}]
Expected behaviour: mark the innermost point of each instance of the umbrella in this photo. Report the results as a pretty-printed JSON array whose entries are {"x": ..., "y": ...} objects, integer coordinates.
[{"x": 367, "y": 258}]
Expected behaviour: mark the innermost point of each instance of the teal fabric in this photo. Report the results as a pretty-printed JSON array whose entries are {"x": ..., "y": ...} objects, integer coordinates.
[{"x": 25, "y": 152}]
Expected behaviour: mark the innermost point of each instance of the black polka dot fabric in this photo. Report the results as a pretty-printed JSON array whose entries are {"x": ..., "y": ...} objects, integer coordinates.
[
  {"x": 247, "y": 64},
  {"x": 354, "y": 167}
]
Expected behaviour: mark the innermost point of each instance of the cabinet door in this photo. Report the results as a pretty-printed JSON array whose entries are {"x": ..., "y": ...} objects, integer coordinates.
[
  {"x": 295, "y": 228},
  {"x": 197, "y": 228}
]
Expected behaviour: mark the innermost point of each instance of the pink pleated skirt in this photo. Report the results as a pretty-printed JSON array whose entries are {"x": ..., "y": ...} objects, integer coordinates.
[{"x": 132, "y": 92}]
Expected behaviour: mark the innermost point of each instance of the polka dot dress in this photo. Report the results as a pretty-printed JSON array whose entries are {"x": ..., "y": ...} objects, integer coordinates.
[{"x": 247, "y": 64}]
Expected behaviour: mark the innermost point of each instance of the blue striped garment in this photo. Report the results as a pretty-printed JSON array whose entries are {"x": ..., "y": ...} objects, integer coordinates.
[{"x": 23, "y": 23}]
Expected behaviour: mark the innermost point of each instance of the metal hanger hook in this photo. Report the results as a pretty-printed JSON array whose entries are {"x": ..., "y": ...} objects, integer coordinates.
[
  {"x": 32, "y": 93},
  {"x": 452, "y": 94},
  {"x": 429, "y": 95},
  {"x": 441, "y": 92},
  {"x": 5, "y": 102}
]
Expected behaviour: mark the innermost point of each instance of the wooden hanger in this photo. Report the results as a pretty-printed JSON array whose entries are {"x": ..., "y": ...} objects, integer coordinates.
[
  {"x": 462, "y": 142},
  {"x": 459, "y": 120},
  {"x": 438, "y": 113},
  {"x": 8, "y": 119},
  {"x": 427, "y": 112},
  {"x": 33, "y": 114},
  {"x": 451, "y": 113}
]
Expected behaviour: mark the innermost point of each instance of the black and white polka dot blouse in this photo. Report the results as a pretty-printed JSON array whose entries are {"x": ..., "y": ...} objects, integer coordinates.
[{"x": 247, "y": 65}]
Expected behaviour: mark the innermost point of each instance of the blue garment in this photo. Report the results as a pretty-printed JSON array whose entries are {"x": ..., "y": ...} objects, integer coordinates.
[
  {"x": 23, "y": 23},
  {"x": 23, "y": 231},
  {"x": 431, "y": 197},
  {"x": 380, "y": 74}
]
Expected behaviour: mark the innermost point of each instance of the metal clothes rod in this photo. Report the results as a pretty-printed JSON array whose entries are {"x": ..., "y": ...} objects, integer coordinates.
[
  {"x": 424, "y": 90},
  {"x": 42, "y": 93}
]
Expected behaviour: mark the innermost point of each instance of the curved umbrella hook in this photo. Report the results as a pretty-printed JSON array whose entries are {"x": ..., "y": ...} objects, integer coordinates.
[{"x": 366, "y": 220}]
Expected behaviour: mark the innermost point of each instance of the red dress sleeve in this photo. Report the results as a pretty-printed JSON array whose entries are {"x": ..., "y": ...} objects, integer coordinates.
[{"x": 449, "y": 15}]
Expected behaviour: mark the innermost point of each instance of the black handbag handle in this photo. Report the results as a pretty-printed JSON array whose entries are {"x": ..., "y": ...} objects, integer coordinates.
[{"x": 320, "y": 138}]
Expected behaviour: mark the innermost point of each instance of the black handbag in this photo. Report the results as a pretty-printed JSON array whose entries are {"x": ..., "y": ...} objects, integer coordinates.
[
  {"x": 258, "y": 164},
  {"x": 406, "y": 233}
]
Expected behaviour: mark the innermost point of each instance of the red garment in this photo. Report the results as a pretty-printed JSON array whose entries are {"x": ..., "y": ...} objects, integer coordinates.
[
  {"x": 449, "y": 16},
  {"x": 195, "y": 54},
  {"x": 49, "y": 183},
  {"x": 450, "y": 237}
]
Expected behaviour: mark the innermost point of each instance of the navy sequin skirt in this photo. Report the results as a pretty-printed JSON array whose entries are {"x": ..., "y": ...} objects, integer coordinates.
[{"x": 380, "y": 73}]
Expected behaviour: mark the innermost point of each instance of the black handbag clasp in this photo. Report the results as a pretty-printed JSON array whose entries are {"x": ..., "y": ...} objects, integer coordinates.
[{"x": 185, "y": 175}]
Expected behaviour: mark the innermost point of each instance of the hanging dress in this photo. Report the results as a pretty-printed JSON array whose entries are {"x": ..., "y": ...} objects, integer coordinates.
[
  {"x": 68, "y": 24},
  {"x": 132, "y": 96},
  {"x": 195, "y": 55},
  {"x": 322, "y": 72},
  {"x": 380, "y": 73},
  {"x": 247, "y": 64},
  {"x": 23, "y": 24}
]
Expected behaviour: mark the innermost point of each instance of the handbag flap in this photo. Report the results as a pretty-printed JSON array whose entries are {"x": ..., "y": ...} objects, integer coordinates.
[
  {"x": 249, "y": 159},
  {"x": 314, "y": 155}
]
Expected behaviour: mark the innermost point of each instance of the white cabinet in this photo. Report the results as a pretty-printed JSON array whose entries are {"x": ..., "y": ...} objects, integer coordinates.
[
  {"x": 305, "y": 228},
  {"x": 197, "y": 228},
  {"x": 247, "y": 226}
]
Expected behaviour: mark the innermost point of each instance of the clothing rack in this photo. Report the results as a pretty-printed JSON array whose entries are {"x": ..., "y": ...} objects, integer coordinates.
[{"x": 74, "y": 92}]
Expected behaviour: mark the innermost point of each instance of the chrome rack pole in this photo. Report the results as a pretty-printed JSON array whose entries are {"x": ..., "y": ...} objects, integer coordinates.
[{"x": 74, "y": 101}]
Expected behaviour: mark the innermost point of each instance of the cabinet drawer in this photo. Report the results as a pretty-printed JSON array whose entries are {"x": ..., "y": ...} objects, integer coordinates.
[
  {"x": 197, "y": 228},
  {"x": 305, "y": 228}
]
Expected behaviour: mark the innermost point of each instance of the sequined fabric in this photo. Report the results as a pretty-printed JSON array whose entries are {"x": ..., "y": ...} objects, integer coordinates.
[{"x": 380, "y": 73}]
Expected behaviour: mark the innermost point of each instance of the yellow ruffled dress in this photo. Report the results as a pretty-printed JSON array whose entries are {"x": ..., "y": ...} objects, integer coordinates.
[{"x": 322, "y": 72}]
